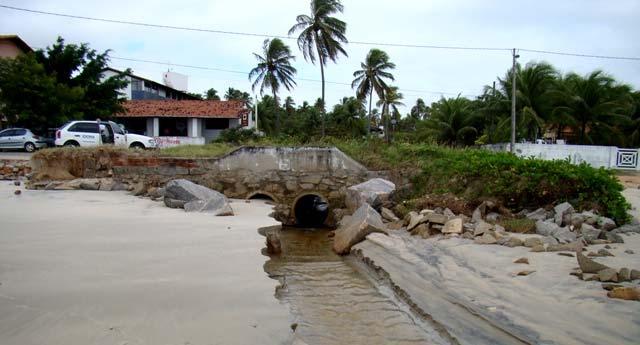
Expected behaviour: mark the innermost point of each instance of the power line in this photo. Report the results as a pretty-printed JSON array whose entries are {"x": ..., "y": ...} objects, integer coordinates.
[
  {"x": 245, "y": 73},
  {"x": 238, "y": 33}
]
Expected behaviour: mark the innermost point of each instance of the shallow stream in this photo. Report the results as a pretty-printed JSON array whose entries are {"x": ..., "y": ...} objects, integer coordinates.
[{"x": 334, "y": 301}]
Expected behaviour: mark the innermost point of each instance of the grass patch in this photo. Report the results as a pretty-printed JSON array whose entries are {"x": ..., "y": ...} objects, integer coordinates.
[
  {"x": 197, "y": 151},
  {"x": 523, "y": 225}
]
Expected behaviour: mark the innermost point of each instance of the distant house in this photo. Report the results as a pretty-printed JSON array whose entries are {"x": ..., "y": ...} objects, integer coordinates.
[
  {"x": 12, "y": 46},
  {"x": 180, "y": 122},
  {"x": 143, "y": 88}
]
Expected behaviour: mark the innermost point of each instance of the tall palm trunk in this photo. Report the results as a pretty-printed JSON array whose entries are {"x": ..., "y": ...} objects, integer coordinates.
[
  {"x": 321, "y": 59},
  {"x": 275, "y": 99},
  {"x": 369, "y": 115}
]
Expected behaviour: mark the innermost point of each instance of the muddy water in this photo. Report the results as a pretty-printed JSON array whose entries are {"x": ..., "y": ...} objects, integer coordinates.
[{"x": 332, "y": 302}]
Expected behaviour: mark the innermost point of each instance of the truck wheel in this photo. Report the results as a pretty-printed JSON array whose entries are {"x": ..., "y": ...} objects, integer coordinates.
[
  {"x": 137, "y": 146},
  {"x": 71, "y": 143},
  {"x": 29, "y": 147}
]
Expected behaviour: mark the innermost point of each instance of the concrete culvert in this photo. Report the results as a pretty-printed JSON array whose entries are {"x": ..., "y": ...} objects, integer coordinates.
[{"x": 311, "y": 211}]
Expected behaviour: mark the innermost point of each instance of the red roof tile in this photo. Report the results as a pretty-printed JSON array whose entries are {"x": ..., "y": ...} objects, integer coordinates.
[{"x": 184, "y": 108}]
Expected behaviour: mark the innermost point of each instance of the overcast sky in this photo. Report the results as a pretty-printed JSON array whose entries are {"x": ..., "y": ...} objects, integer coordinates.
[{"x": 577, "y": 26}]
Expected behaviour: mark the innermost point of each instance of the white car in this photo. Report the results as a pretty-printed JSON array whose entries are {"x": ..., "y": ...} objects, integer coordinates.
[{"x": 94, "y": 133}]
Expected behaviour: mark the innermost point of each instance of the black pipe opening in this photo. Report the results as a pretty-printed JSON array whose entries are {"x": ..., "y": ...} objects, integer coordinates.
[
  {"x": 261, "y": 196},
  {"x": 311, "y": 211}
]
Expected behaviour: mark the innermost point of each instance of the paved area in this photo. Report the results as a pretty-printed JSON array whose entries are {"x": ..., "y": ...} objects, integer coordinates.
[{"x": 15, "y": 155}]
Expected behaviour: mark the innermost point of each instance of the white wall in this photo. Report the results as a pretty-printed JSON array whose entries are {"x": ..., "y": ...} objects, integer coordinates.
[
  {"x": 596, "y": 156},
  {"x": 127, "y": 90}
]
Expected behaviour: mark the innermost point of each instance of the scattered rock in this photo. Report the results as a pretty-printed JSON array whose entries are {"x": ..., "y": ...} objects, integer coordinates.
[
  {"x": 415, "y": 219},
  {"x": 468, "y": 235},
  {"x": 486, "y": 238},
  {"x": 492, "y": 217},
  {"x": 539, "y": 214},
  {"x": 608, "y": 275},
  {"x": 119, "y": 186},
  {"x": 628, "y": 228},
  {"x": 587, "y": 265},
  {"x": 16, "y": 183},
  {"x": 388, "y": 214},
  {"x": 17, "y": 192},
  {"x": 373, "y": 192},
  {"x": 90, "y": 185},
  {"x": 524, "y": 273},
  {"x": 363, "y": 222},
  {"x": 196, "y": 198},
  {"x": 561, "y": 210},
  {"x": 568, "y": 247},
  {"x": 609, "y": 286},
  {"x": 538, "y": 248},
  {"x": 513, "y": 242},
  {"x": 532, "y": 242},
  {"x": 453, "y": 226},
  {"x": 576, "y": 220},
  {"x": 635, "y": 274},
  {"x": 564, "y": 235},
  {"x": 448, "y": 213},
  {"x": 522, "y": 261},
  {"x": 604, "y": 252},
  {"x": 606, "y": 224},
  {"x": 479, "y": 212},
  {"x": 156, "y": 193},
  {"x": 566, "y": 254},
  {"x": 589, "y": 277},
  {"x": 589, "y": 233},
  {"x": 397, "y": 225},
  {"x": 546, "y": 228},
  {"x": 626, "y": 293},
  {"x": 613, "y": 237},
  {"x": 436, "y": 218},
  {"x": 482, "y": 227},
  {"x": 590, "y": 217},
  {"x": 422, "y": 230},
  {"x": 629, "y": 251},
  {"x": 139, "y": 188},
  {"x": 624, "y": 275}
]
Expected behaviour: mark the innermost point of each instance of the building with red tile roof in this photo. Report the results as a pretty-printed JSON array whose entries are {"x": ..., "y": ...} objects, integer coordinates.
[{"x": 175, "y": 122}]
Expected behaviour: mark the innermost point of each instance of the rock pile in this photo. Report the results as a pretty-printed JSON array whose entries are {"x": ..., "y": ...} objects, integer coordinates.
[
  {"x": 14, "y": 169},
  {"x": 193, "y": 197}
]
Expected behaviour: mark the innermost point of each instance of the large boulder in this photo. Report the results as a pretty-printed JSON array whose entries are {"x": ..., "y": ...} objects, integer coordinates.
[
  {"x": 355, "y": 228},
  {"x": 373, "y": 192},
  {"x": 561, "y": 210},
  {"x": 196, "y": 198}
]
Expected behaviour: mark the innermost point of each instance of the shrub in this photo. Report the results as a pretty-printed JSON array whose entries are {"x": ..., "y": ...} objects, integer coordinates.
[{"x": 236, "y": 136}]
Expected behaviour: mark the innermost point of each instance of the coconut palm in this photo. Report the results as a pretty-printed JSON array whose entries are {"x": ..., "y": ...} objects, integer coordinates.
[
  {"x": 321, "y": 35},
  {"x": 375, "y": 69},
  {"x": 273, "y": 70},
  {"x": 390, "y": 101},
  {"x": 451, "y": 120},
  {"x": 595, "y": 103}
]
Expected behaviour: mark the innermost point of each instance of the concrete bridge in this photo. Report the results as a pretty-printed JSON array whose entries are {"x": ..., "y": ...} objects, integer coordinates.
[{"x": 294, "y": 178}]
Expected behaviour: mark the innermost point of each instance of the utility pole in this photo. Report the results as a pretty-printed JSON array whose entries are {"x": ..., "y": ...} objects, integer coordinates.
[{"x": 513, "y": 102}]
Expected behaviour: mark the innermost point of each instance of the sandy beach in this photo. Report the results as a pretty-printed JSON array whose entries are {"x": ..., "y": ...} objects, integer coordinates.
[{"x": 79, "y": 267}]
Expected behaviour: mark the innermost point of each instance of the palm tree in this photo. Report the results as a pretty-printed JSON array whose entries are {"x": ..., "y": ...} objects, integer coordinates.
[
  {"x": 274, "y": 69},
  {"x": 391, "y": 100},
  {"x": 321, "y": 35},
  {"x": 596, "y": 104},
  {"x": 371, "y": 77},
  {"x": 451, "y": 121},
  {"x": 289, "y": 104},
  {"x": 212, "y": 95}
]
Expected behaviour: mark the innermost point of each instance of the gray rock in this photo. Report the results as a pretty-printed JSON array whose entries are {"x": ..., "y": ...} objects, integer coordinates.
[
  {"x": 635, "y": 274},
  {"x": 453, "y": 226},
  {"x": 486, "y": 238},
  {"x": 566, "y": 247},
  {"x": 373, "y": 192},
  {"x": 561, "y": 210},
  {"x": 89, "y": 184},
  {"x": 388, "y": 214},
  {"x": 624, "y": 275},
  {"x": 546, "y": 228},
  {"x": 415, "y": 219},
  {"x": 511, "y": 242},
  {"x": 273, "y": 243},
  {"x": 576, "y": 220},
  {"x": 590, "y": 217},
  {"x": 613, "y": 237},
  {"x": 606, "y": 224},
  {"x": 604, "y": 252},
  {"x": 16, "y": 183},
  {"x": 119, "y": 186},
  {"x": 196, "y": 198},
  {"x": 608, "y": 275},
  {"x": 629, "y": 251},
  {"x": 173, "y": 203},
  {"x": 482, "y": 227},
  {"x": 587, "y": 265},
  {"x": 448, "y": 213},
  {"x": 140, "y": 189},
  {"x": 363, "y": 222},
  {"x": 628, "y": 228},
  {"x": 589, "y": 233},
  {"x": 436, "y": 218},
  {"x": 532, "y": 242},
  {"x": 156, "y": 193},
  {"x": 539, "y": 214},
  {"x": 479, "y": 212},
  {"x": 492, "y": 217},
  {"x": 564, "y": 235}
]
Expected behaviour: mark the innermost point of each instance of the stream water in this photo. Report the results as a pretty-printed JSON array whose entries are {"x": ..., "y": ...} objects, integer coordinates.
[{"x": 333, "y": 302}]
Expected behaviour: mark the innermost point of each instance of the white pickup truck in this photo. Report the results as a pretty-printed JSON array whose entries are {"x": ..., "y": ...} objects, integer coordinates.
[{"x": 94, "y": 133}]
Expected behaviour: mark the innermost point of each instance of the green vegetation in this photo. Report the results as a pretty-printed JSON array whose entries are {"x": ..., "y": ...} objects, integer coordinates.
[
  {"x": 197, "y": 151},
  {"x": 64, "y": 82}
]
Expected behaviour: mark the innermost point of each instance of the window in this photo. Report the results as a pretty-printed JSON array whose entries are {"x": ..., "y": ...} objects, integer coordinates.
[
  {"x": 136, "y": 85},
  {"x": 84, "y": 127},
  {"x": 6, "y": 133},
  {"x": 216, "y": 123},
  {"x": 116, "y": 128},
  {"x": 19, "y": 132}
]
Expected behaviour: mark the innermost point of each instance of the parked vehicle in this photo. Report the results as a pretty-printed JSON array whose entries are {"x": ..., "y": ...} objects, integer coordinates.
[
  {"x": 20, "y": 138},
  {"x": 94, "y": 133}
]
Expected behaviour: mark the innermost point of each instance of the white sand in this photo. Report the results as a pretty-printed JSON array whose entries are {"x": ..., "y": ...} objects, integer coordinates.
[
  {"x": 546, "y": 307},
  {"x": 80, "y": 267}
]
